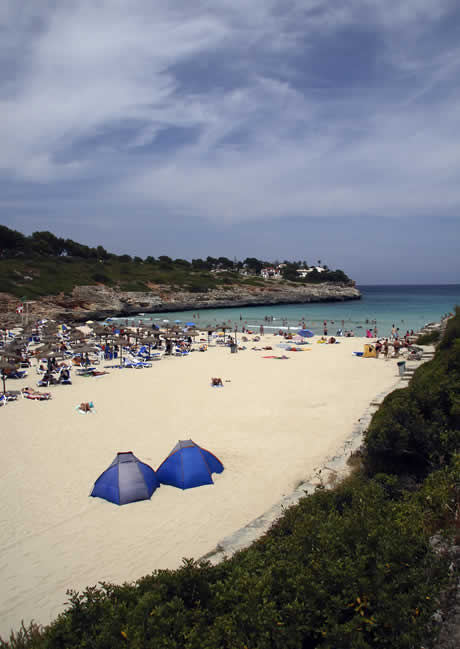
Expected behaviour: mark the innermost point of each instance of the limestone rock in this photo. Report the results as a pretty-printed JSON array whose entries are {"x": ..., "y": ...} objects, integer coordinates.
[{"x": 99, "y": 301}]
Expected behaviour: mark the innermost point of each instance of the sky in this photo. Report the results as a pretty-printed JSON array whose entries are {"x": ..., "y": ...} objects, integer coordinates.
[{"x": 277, "y": 129}]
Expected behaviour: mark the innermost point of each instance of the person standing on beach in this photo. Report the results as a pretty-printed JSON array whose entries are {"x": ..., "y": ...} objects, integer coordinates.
[{"x": 385, "y": 348}]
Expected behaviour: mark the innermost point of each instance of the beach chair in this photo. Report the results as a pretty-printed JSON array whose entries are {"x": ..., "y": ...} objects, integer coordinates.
[
  {"x": 64, "y": 377},
  {"x": 18, "y": 374},
  {"x": 181, "y": 352},
  {"x": 156, "y": 356},
  {"x": 135, "y": 363},
  {"x": 84, "y": 371}
]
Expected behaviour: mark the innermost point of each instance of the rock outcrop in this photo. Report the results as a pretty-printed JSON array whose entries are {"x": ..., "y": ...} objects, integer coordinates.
[{"x": 98, "y": 302}]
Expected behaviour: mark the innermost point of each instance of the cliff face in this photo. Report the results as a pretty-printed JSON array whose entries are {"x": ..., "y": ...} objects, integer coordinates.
[{"x": 98, "y": 302}]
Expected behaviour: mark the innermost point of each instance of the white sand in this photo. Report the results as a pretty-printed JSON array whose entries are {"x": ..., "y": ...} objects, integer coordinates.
[{"x": 271, "y": 426}]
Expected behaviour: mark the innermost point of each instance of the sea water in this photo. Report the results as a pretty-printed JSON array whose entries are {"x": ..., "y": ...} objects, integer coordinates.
[{"x": 405, "y": 307}]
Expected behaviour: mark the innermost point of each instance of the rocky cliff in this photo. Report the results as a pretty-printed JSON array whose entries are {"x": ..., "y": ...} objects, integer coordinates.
[{"x": 98, "y": 302}]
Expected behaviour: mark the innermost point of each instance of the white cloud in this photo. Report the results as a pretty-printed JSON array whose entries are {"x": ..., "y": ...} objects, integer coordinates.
[{"x": 279, "y": 140}]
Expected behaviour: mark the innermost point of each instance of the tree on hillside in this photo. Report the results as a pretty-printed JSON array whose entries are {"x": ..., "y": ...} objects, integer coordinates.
[
  {"x": 199, "y": 264},
  {"x": 46, "y": 243},
  {"x": 182, "y": 263},
  {"x": 102, "y": 253},
  {"x": 74, "y": 249},
  {"x": 225, "y": 263},
  {"x": 12, "y": 241},
  {"x": 290, "y": 272},
  {"x": 253, "y": 265},
  {"x": 166, "y": 263}
]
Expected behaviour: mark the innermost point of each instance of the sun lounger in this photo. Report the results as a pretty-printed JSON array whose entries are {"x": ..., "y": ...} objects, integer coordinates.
[
  {"x": 156, "y": 356},
  {"x": 136, "y": 364},
  {"x": 19, "y": 374},
  {"x": 84, "y": 371}
]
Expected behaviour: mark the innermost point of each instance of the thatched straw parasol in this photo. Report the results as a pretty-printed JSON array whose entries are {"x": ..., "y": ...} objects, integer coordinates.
[
  {"x": 78, "y": 349},
  {"x": 5, "y": 365}
]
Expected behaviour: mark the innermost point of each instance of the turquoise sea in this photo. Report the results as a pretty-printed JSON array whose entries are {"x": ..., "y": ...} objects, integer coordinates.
[{"x": 407, "y": 307}]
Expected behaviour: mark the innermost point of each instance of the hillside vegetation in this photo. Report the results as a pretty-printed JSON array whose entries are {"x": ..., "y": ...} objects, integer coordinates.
[
  {"x": 352, "y": 567},
  {"x": 43, "y": 264}
]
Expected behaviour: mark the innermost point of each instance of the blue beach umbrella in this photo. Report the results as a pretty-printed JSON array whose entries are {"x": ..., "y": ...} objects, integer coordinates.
[
  {"x": 305, "y": 333},
  {"x": 126, "y": 480},
  {"x": 188, "y": 465},
  {"x": 190, "y": 324},
  {"x": 177, "y": 321}
]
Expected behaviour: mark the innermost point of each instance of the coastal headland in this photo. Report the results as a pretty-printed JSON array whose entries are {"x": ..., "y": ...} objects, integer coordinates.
[{"x": 100, "y": 301}]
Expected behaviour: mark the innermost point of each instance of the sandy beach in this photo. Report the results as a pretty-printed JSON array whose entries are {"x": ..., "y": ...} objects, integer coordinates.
[{"x": 272, "y": 425}]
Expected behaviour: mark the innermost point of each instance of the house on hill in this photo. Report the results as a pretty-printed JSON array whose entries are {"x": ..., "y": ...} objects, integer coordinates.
[
  {"x": 270, "y": 273},
  {"x": 303, "y": 272}
]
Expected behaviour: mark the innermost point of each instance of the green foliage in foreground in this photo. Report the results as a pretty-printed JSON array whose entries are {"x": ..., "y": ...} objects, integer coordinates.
[
  {"x": 417, "y": 429},
  {"x": 350, "y": 568}
]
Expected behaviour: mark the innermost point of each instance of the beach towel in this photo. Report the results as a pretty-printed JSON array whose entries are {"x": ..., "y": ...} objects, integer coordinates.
[
  {"x": 279, "y": 358},
  {"x": 85, "y": 412},
  {"x": 37, "y": 396}
]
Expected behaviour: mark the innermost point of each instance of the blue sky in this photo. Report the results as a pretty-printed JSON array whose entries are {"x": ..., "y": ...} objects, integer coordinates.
[{"x": 284, "y": 129}]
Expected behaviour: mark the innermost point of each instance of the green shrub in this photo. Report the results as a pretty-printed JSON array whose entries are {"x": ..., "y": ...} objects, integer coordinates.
[
  {"x": 345, "y": 568},
  {"x": 417, "y": 429},
  {"x": 101, "y": 278},
  {"x": 452, "y": 331},
  {"x": 429, "y": 339}
]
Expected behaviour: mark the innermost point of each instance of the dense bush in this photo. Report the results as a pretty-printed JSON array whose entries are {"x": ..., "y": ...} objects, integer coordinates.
[
  {"x": 101, "y": 278},
  {"x": 344, "y": 568},
  {"x": 452, "y": 331},
  {"x": 429, "y": 339},
  {"x": 417, "y": 429}
]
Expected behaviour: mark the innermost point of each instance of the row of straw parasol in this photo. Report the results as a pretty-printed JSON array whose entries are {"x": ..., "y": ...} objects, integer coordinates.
[{"x": 11, "y": 354}]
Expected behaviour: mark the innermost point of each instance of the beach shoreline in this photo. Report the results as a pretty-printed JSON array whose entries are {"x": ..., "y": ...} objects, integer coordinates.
[{"x": 275, "y": 422}]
